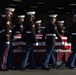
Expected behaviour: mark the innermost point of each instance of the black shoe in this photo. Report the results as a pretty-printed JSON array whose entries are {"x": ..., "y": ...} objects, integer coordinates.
[
  {"x": 4, "y": 69},
  {"x": 67, "y": 65},
  {"x": 13, "y": 68},
  {"x": 22, "y": 69},
  {"x": 71, "y": 67},
  {"x": 18, "y": 68},
  {"x": 43, "y": 68},
  {"x": 56, "y": 67},
  {"x": 32, "y": 68}
]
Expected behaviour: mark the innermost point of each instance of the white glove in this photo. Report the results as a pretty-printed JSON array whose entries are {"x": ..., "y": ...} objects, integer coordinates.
[
  {"x": 62, "y": 43},
  {"x": 7, "y": 42},
  {"x": 37, "y": 44}
]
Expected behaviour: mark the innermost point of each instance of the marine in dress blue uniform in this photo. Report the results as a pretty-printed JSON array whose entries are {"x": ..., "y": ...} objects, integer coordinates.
[
  {"x": 29, "y": 37},
  {"x": 38, "y": 27},
  {"x": 1, "y": 35},
  {"x": 7, "y": 40},
  {"x": 18, "y": 28},
  {"x": 60, "y": 27},
  {"x": 72, "y": 39},
  {"x": 50, "y": 32}
]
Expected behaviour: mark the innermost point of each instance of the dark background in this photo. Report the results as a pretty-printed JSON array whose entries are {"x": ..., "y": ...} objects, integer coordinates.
[{"x": 64, "y": 8}]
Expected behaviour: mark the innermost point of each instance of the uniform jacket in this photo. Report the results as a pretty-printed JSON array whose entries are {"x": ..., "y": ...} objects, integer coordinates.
[
  {"x": 60, "y": 30},
  {"x": 7, "y": 29},
  {"x": 17, "y": 27},
  {"x": 50, "y": 29},
  {"x": 28, "y": 34},
  {"x": 71, "y": 33},
  {"x": 38, "y": 30}
]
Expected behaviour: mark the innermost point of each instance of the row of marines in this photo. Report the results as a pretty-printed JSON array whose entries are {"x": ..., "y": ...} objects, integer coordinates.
[{"x": 29, "y": 31}]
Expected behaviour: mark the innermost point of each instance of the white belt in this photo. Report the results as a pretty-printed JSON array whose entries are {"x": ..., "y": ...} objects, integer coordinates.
[
  {"x": 10, "y": 31},
  {"x": 73, "y": 33},
  {"x": 17, "y": 32},
  {"x": 0, "y": 31},
  {"x": 28, "y": 31},
  {"x": 3, "y": 30},
  {"x": 7, "y": 42},
  {"x": 42, "y": 27},
  {"x": 51, "y": 35}
]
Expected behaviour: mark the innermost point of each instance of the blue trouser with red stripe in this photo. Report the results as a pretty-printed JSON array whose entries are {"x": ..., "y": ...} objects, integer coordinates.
[
  {"x": 1, "y": 50},
  {"x": 6, "y": 56}
]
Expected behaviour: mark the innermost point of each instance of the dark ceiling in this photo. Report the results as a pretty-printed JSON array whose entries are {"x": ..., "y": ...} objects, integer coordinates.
[{"x": 42, "y": 6}]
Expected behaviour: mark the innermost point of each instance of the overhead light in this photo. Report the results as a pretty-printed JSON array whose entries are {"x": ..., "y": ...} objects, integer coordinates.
[
  {"x": 33, "y": 6},
  {"x": 40, "y": 2},
  {"x": 17, "y": 0},
  {"x": 51, "y": 11},
  {"x": 12, "y": 5},
  {"x": 60, "y": 8},
  {"x": 72, "y": 4}
]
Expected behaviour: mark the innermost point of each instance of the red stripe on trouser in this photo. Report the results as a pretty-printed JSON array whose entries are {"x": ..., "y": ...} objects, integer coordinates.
[{"x": 4, "y": 56}]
